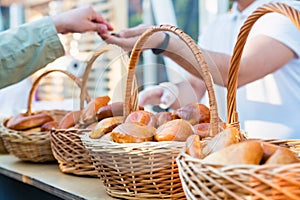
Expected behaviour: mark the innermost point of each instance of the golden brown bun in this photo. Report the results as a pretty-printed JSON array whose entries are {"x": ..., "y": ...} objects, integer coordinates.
[
  {"x": 23, "y": 122},
  {"x": 282, "y": 156},
  {"x": 70, "y": 119},
  {"x": 223, "y": 139},
  {"x": 110, "y": 110},
  {"x": 49, "y": 126},
  {"x": 202, "y": 129},
  {"x": 89, "y": 113},
  {"x": 132, "y": 132},
  {"x": 143, "y": 117},
  {"x": 163, "y": 117},
  {"x": 175, "y": 130},
  {"x": 193, "y": 146},
  {"x": 194, "y": 113},
  {"x": 247, "y": 152},
  {"x": 105, "y": 125},
  {"x": 268, "y": 149}
]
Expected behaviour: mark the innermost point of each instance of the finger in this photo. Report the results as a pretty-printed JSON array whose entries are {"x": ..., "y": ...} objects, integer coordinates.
[
  {"x": 133, "y": 32},
  {"x": 125, "y": 43}
]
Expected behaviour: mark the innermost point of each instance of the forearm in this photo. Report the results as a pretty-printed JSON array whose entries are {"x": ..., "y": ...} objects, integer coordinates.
[
  {"x": 27, "y": 49},
  {"x": 218, "y": 63}
]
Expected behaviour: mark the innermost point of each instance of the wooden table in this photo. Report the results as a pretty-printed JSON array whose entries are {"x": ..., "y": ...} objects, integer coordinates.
[{"x": 48, "y": 178}]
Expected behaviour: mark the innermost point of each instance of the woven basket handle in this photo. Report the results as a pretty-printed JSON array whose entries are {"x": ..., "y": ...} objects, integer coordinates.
[
  {"x": 201, "y": 71},
  {"x": 281, "y": 8},
  {"x": 96, "y": 54},
  {"x": 36, "y": 82}
]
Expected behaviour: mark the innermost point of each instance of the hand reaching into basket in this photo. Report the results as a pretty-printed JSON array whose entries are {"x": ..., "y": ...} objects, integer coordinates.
[{"x": 126, "y": 38}]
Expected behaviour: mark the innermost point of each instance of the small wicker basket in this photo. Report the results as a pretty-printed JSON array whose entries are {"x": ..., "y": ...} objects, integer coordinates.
[
  {"x": 67, "y": 147},
  {"x": 206, "y": 181},
  {"x": 33, "y": 146},
  {"x": 146, "y": 170}
]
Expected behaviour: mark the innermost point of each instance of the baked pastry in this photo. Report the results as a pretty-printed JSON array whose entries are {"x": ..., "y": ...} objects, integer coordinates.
[
  {"x": 49, "y": 126},
  {"x": 70, "y": 119},
  {"x": 24, "y": 122},
  {"x": 246, "y": 152},
  {"x": 89, "y": 113},
  {"x": 282, "y": 156},
  {"x": 110, "y": 110},
  {"x": 175, "y": 130},
  {"x": 193, "y": 146},
  {"x": 143, "y": 117},
  {"x": 105, "y": 126},
  {"x": 163, "y": 117},
  {"x": 223, "y": 139},
  {"x": 132, "y": 132},
  {"x": 194, "y": 113}
]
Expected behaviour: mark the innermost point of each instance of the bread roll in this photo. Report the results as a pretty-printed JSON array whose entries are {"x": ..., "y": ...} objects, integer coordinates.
[
  {"x": 143, "y": 117},
  {"x": 110, "y": 110},
  {"x": 282, "y": 156},
  {"x": 223, "y": 139},
  {"x": 194, "y": 113},
  {"x": 70, "y": 119},
  {"x": 193, "y": 146},
  {"x": 132, "y": 132},
  {"x": 163, "y": 117},
  {"x": 23, "y": 121},
  {"x": 89, "y": 113},
  {"x": 49, "y": 126},
  {"x": 247, "y": 152},
  {"x": 105, "y": 125},
  {"x": 175, "y": 130}
]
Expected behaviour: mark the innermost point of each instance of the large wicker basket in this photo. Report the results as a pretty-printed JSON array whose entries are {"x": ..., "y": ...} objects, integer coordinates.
[
  {"x": 206, "y": 181},
  {"x": 146, "y": 170},
  {"x": 33, "y": 146},
  {"x": 67, "y": 147}
]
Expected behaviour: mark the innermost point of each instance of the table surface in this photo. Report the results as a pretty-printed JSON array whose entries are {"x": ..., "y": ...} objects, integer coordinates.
[{"x": 49, "y": 178}]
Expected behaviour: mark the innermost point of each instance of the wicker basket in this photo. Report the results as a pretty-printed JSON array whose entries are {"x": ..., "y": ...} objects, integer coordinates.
[
  {"x": 146, "y": 170},
  {"x": 67, "y": 147},
  {"x": 205, "y": 181},
  {"x": 3, "y": 149},
  {"x": 33, "y": 146}
]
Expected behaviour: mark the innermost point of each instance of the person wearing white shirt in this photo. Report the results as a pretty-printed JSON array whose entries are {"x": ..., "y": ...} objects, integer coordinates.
[{"x": 269, "y": 75}]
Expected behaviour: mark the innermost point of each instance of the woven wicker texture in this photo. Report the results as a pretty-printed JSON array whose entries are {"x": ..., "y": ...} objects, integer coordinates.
[
  {"x": 67, "y": 147},
  {"x": 33, "y": 146},
  {"x": 146, "y": 170},
  {"x": 205, "y": 181}
]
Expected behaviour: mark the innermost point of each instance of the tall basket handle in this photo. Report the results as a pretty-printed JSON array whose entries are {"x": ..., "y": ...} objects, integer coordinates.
[
  {"x": 201, "y": 71},
  {"x": 36, "y": 82},
  {"x": 96, "y": 54},
  {"x": 288, "y": 11}
]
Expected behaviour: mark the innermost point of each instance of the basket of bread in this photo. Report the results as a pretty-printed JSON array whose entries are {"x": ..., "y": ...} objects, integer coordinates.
[
  {"x": 229, "y": 167},
  {"x": 67, "y": 147},
  {"x": 26, "y": 135},
  {"x": 135, "y": 150}
]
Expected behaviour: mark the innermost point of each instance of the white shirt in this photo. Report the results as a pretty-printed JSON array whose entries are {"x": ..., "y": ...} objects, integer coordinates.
[{"x": 269, "y": 107}]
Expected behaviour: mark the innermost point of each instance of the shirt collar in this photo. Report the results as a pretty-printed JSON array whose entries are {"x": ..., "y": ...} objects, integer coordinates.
[{"x": 249, "y": 10}]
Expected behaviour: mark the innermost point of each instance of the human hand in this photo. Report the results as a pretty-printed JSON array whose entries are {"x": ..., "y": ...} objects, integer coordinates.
[
  {"x": 125, "y": 38},
  {"x": 164, "y": 95},
  {"x": 81, "y": 20}
]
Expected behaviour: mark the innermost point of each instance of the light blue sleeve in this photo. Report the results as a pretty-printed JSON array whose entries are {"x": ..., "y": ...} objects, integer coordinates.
[{"x": 26, "y": 49}]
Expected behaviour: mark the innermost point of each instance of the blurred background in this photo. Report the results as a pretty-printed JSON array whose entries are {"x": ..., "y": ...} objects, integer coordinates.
[{"x": 107, "y": 75}]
